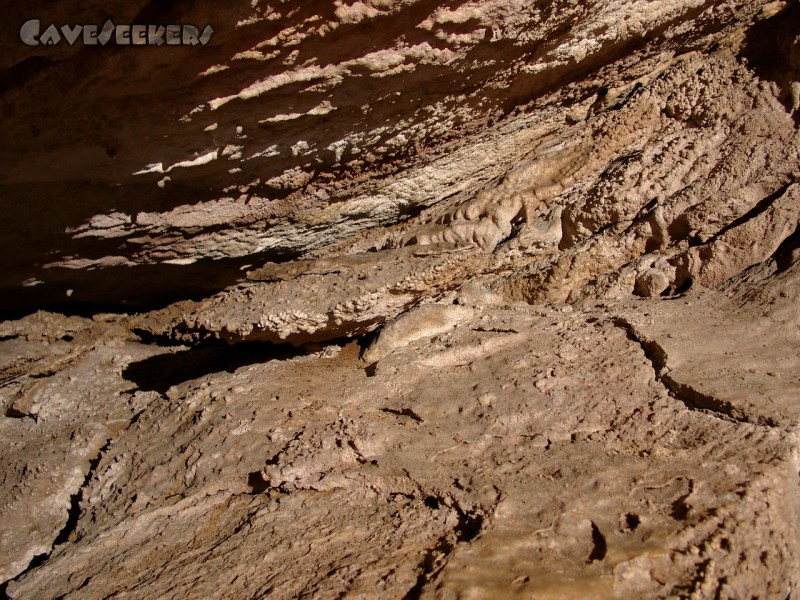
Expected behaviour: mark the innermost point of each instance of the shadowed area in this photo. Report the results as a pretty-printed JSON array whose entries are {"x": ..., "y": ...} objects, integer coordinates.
[
  {"x": 159, "y": 373},
  {"x": 403, "y": 299}
]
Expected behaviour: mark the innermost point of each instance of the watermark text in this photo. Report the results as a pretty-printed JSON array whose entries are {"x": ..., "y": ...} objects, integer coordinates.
[{"x": 32, "y": 34}]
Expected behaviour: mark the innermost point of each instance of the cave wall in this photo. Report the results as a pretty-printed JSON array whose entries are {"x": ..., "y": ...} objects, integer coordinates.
[
  {"x": 482, "y": 298},
  {"x": 138, "y": 175}
]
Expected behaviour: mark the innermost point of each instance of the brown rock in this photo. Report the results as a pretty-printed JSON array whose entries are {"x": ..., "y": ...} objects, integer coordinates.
[{"x": 507, "y": 290}]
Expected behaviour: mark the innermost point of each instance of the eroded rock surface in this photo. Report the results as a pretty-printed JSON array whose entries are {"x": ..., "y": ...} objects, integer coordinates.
[
  {"x": 510, "y": 305},
  {"x": 319, "y": 300},
  {"x": 300, "y": 126}
]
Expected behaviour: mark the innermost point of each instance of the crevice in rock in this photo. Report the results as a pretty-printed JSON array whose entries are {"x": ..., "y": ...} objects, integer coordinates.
[
  {"x": 693, "y": 399},
  {"x": 161, "y": 372},
  {"x": 432, "y": 564},
  {"x": 785, "y": 256},
  {"x": 599, "y": 545},
  {"x": 759, "y": 208},
  {"x": 74, "y": 511},
  {"x": 36, "y": 562},
  {"x": 468, "y": 527},
  {"x": 697, "y": 400},
  {"x": 73, "y": 514},
  {"x": 404, "y": 412}
]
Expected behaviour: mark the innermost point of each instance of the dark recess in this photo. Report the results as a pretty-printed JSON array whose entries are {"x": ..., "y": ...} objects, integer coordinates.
[
  {"x": 771, "y": 51},
  {"x": 257, "y": 483},
  {"x": 159, "y": 373},
  {"x": 787, "y": 253},
  {"x": 632, "y": 521},
  {"x": 126, "y": 289},
  {"x": 600, "y": 547}
]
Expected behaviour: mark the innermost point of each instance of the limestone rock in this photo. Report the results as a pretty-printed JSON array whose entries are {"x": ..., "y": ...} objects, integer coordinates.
[
  {"x": 403, "y": 300},
  {"x": 63, "y": 400},
  {"x": 330, "y": 299},
  {"x": 421, "y": 323}
]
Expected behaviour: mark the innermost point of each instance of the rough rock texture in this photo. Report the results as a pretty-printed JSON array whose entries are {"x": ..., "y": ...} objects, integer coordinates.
[
  {"x": 343, "y": 298},
  {"x": 476, "y": 299},
  {"x": 164, "y": 170}
]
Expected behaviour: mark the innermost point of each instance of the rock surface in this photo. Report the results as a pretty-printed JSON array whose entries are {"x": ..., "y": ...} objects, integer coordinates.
[{"x": 486, "y": 299}]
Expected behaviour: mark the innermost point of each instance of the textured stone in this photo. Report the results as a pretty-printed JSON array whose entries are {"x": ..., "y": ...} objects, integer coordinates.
[
  {"x": 483, "y": 300},
  {"x": 298, "y": 127},
  {"x": 319, "y": 300}
]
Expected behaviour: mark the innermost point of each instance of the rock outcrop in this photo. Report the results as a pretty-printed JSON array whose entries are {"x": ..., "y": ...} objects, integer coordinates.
[{"x": 403, "y": 299}]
